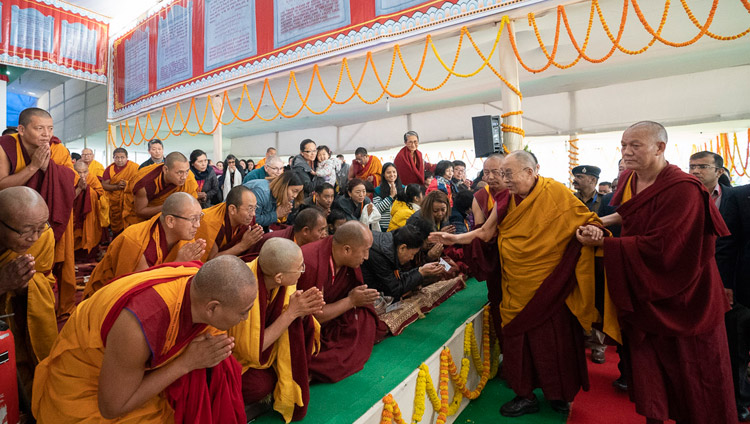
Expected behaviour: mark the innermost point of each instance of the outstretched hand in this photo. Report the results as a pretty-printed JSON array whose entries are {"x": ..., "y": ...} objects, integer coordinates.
[{"x": 440, "y": 237}]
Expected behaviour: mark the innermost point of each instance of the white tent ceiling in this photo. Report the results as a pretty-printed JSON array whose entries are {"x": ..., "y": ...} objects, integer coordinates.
[{"x": 659, "y": 61}]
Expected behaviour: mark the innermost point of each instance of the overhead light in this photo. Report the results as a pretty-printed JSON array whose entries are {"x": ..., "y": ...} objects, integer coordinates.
[
  {"x": 7, "y": 72},
  {"x": 31, "y": 93}
]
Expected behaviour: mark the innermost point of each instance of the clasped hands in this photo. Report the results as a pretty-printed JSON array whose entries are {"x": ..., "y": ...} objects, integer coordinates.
[{"x": 590, "y": 235}]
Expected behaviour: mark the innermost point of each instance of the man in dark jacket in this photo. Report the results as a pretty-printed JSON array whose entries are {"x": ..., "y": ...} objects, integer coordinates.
[{"x": 385, "y": 268}]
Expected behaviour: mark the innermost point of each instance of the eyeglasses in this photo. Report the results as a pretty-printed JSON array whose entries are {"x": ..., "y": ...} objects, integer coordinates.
[
  {"x": 27, "y": 233},
  {"x": 509, "y": 173},
  {"x": 309, "y": 151},
  {"x": 301, "y": 270},
  {"x": 692, "y": 167},
  {"x": 194, "y": 220},
  {"x": 275, "y": 168},
  {"x": 412, "y": 143}
]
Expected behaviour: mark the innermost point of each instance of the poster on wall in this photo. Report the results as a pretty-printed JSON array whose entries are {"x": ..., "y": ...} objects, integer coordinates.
[
  {"x": 174, "y": 46},
  {"x": 295, "y": 20},
  {"x": 185, "y": 48},
  {"x": 224, "y": 41},
  {"x": 54, "y": 36}
]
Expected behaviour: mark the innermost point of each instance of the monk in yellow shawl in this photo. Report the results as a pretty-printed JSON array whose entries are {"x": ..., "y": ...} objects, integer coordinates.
[
  {"x": 274, "y": 343},
  {"x": 547, "y": 285},
  {"x": 27, "y": 250},
  {"x": 114, "y": 182},
  {"x": 95, "y": 168},
  {"x": 36, "y": 158},
  {"x": 129, "y": 351},
  {"x": 86, "y": 209},
  {"x": 166, "y": 237},
  {"x": 229, "y": 228},
  {"x": 152, "y": 184},
  {"x": 365, "y": 167}
]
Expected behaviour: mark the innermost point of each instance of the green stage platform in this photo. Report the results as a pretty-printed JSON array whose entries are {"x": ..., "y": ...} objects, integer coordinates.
[{"x": 391, "y": 362}]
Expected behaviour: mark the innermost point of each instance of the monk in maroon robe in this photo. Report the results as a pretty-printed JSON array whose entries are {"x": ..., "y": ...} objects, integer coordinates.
[
  {"x": 349, "y": 324},
  {"x": 309, "y": 226},
  {"x": 482, "y": 257},
  {"x": 276, "y": 339},
  {"x": 662, "y": 276},
  {"x": 37, "y": 159}
]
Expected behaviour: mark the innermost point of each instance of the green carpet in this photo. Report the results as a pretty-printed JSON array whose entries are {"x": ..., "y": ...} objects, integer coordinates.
[
  {"x": 391, "y": 362},
  {"x": 486, "y": 409}
]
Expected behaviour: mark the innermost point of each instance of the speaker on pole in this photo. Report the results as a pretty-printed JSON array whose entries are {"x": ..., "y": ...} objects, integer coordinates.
[{"x": 487, "y": 135}]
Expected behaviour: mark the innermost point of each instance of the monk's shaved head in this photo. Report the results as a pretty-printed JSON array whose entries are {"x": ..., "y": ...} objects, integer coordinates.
[
  {"x": 80, "y": 166},
  {"x": 499, "y": 157},
  {"x": 352, "y": 233},
  {"x": 279, "y": 255},
  {"x": 21, "y": 209},
  {"x": 655, "y": 130},
  {"x": 179, "y": 203},
  {"x": 17, "y": 203},
  {"x": 174, "y": 158},
  {"x": 86, "y": 150},
  {"x": 524, "y": 158},
  {"x": 225, "y": 278}
]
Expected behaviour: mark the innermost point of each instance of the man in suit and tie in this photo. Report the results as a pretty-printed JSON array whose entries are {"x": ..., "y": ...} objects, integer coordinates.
[{"x": 733, "y": 261}]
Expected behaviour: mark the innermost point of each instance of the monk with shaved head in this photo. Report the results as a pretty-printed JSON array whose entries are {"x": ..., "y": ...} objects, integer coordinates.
[
  {"x": 482, "y": 257},
  {"x": 167, "y": 237},
  {"x": 114, "y": 181},
  {"x": 149, "y": 188},
  {"x": 87, "y": 209},
  {"x": 27, "y": 249},
  {"x": 138, "y": 351},
  {"x": 310, "y": 225},
  {"x": 35, "y": 158},
  {"x": 274, "y": 342},
  {"x": 229, "y": 228},
  {"x": 349, "y": 322},
  {"x": 662, "y": 276},
  {"x": 95, "y": 168},
  {"x": 547, "y": 285}
]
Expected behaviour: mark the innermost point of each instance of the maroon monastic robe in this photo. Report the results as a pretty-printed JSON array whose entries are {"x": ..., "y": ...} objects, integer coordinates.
[
  {"x": 662, "y": 276},
  {"x": 543, "y": 345},
  {"x": 410, "y": 171},
  {"x": 346, "y": 341},
  {"x": 259, "y": 383},
  {"x": 191, "y": 396}
]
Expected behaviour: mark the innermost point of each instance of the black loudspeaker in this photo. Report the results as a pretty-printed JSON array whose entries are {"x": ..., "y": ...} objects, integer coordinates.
[{"x": 487, "y": 135}]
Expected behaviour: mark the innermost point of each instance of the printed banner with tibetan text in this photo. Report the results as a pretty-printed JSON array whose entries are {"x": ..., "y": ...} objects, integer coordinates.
[
  {"x": 54, "y": 36},
  {"x": 186, "y": 47}
]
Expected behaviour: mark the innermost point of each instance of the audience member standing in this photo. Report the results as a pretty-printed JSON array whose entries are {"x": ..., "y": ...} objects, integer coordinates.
[
  {"x": 156, "y": 150},
  {"x": 232, "y": 176},
  {"x": 208, "y": 183}
]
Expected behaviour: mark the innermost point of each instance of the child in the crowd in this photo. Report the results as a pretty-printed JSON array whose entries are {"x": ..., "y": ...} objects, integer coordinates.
[{"x": 328, "y": 166}]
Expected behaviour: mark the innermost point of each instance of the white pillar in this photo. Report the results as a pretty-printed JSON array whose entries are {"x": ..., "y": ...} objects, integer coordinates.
[
  {"x": 218, "y": 141},
  {"x": 108, "y": 148},
  {"x": 511, "y": 101},
  {"x": 3, "y": 104}
]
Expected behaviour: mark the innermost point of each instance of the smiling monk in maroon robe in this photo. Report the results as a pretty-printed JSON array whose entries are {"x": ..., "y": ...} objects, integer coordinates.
[
  {"x": 349, "y": 324},
  {"x": 663, "y": 278}
]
